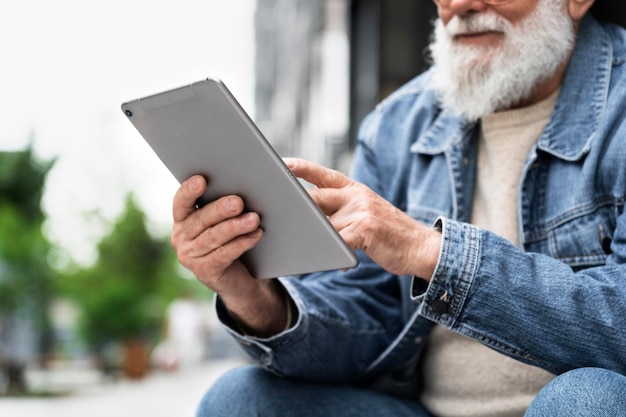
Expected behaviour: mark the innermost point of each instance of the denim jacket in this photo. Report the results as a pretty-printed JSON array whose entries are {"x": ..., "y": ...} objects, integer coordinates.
[{"x": 558, "y": 302}]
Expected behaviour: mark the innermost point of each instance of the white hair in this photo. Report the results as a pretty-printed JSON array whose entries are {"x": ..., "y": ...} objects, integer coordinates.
[{"x": 474, "y": 81}]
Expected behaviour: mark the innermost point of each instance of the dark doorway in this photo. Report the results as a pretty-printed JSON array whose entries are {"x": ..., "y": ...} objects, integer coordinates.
[{"x": 388, "y": 48}]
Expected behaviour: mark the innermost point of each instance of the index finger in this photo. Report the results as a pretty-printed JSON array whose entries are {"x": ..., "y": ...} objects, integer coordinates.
[
  {"x": 329, "y": 200},
  {"x": 184, "y": 202},
  {"x": 317, "y": 175}
]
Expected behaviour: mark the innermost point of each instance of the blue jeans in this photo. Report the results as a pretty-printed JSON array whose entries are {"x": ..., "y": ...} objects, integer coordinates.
[
  {"x": 584, "y": 392},
  {"x": 252, "y": 391}
]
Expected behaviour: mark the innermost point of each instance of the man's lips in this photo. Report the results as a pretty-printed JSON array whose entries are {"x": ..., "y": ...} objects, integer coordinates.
[{"x": 477, "y": 37}]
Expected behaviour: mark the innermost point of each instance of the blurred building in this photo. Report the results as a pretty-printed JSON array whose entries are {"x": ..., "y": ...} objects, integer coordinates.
[{"x": 322, "y": 65}]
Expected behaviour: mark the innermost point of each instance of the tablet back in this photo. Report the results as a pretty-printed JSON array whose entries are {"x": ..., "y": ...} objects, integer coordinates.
[{"x": 201, "y": 129}]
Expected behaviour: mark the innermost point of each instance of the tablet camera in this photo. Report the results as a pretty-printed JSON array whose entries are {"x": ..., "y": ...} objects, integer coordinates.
[{"x": 128, "y": 113}]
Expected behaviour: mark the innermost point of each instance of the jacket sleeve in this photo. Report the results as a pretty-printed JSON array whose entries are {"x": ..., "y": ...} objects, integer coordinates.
[{"x": 529, "y": 306}]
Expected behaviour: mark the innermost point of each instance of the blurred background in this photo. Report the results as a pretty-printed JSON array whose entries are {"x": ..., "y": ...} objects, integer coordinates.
[{"x": 96, "y": 315}]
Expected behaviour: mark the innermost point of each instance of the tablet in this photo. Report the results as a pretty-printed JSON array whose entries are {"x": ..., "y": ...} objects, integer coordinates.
[{"x": 201, "y": 129}]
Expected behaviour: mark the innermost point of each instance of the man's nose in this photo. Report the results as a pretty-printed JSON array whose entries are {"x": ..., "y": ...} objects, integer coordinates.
[{"x": 461, "y": 7}]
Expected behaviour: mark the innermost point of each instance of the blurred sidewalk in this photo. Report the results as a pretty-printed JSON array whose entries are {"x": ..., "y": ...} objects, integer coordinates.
[{"x": 174, "y": 394}]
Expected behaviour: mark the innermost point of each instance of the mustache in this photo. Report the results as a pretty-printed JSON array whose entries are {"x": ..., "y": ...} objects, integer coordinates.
[{"x": 476, "y": 23}]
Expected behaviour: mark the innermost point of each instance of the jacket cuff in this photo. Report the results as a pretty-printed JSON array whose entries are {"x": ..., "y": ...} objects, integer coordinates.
[
  {"x": 259, "y": 349},
  {"x": 442, "y": 299}
]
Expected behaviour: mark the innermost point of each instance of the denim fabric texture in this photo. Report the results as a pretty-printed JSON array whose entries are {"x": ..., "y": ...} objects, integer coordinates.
[
  {"x": 251, "y": 391},
  {"x": 558, "y": 302},
  {"x": 583, "y": 392}
]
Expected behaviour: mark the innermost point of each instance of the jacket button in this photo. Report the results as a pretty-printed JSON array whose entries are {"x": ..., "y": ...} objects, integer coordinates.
[{"x": 439, "y": 307}]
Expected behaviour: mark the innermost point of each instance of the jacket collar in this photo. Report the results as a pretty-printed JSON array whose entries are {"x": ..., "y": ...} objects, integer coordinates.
[{"x": 578, "y": 111}]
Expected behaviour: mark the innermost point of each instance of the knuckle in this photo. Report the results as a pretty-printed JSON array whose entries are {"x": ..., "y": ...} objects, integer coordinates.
[
  {"x": 176, "y": 238},
  {"x": 185, "y": 259},
  {"x": 212, "y": 240},
  {"x": 366, "y": 222},
  {"x": 221, "y": 258}
]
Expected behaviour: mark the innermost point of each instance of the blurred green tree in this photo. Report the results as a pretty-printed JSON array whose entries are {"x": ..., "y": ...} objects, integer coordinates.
[
  {"x": 124, "y": 294},
  {"x": 26, "y": 278}
]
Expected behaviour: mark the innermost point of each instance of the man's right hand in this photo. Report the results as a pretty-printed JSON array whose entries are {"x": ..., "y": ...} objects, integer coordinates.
[{"x": 209, "y": 242}]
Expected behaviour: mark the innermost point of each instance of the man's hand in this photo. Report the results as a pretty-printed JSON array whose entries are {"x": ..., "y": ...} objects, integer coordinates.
[
  {"x": 391, "y": 238},
  {"x": 209, "y": 242}
]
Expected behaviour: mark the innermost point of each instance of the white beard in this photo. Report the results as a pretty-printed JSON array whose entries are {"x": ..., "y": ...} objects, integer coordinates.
[{"x": 474, "y": 81}]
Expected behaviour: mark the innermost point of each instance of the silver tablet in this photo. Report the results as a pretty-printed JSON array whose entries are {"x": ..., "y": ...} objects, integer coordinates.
[{"x": 201, "y": 129}]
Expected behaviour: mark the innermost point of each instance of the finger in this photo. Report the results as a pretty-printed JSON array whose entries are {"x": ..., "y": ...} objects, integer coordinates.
[
  {"x": 329, "y": 200},
  {"x": 211, "y": 267},
  {"x": 209, "y": 216},
  {"x": 224, "y": 232},
  {"x": 219, "y": 241},
  {"x": 316, "y": 174},
  {"x": 224, "y": 256},
  {"x": 184, "y": 202}
]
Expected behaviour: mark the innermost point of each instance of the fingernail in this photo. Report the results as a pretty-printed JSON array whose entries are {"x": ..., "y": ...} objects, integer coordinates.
[
  {"x": 249, "y": 219},
  {"x": 195, "y": 184},
  {"x": 230, "y": 204},
  {"x": 290, "y": 163}
]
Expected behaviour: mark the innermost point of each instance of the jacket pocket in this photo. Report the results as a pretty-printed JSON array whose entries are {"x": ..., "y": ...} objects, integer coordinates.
[{"x": 582, "y": 241}]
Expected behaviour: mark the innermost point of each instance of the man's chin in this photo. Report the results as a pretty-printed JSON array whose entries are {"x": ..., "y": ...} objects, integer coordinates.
[{"x": 475, "y": 58}]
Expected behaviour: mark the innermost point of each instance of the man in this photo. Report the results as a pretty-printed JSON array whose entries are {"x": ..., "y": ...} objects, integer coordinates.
[{"x": 487, "y": 208}]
